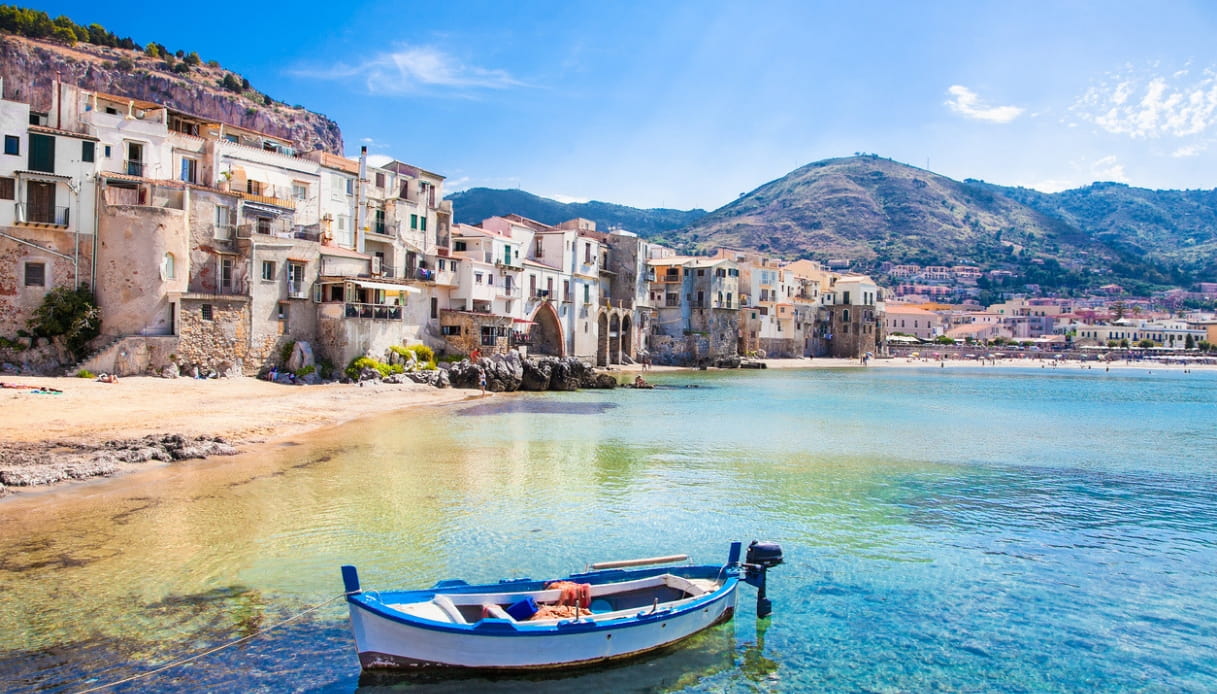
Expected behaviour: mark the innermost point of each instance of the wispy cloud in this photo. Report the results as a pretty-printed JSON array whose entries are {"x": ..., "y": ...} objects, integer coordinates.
[
  {"x": 567, "y": 199},
  {"x": 1179, "y": 104},
  {"x": 416, "y": 69},
  {"x": 1192, "y": 150},
  {"x": 1108, "y": 169},
  {"x": 968, "y": 104}
]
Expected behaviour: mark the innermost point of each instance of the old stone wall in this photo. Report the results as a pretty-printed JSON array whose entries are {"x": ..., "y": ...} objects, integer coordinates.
[
  {"x": 17, "y": 301},
  {"x": 216, "y": 337}
]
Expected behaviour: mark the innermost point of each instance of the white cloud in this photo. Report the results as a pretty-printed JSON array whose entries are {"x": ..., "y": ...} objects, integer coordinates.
[
  {"x": 1191, "y": 150},
  {"x": 967, "y": 103},
  {"x": 567, "y": 199},
  {"x": 1150, "y": 105},
  {"x": 1108, "y": 169},
  {"x": 414, "y": 69}
]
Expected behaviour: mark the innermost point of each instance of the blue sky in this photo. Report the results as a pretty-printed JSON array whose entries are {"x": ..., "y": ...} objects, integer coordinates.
[{"x": 689, "y": 104}]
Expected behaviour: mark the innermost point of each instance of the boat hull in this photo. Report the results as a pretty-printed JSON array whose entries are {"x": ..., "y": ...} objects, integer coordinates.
[{"x": 387, "y": 639}]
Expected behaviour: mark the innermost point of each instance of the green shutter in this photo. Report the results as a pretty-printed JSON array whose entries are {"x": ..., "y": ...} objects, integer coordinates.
[{"x": 42, "y": 153}]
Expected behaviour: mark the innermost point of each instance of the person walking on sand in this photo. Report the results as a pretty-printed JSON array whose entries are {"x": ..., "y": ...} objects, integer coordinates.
[{"x": 482, "y": 381}]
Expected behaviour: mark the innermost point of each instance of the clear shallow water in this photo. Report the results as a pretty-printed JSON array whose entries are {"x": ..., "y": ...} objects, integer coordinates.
[{"x": 945, "y": 530}]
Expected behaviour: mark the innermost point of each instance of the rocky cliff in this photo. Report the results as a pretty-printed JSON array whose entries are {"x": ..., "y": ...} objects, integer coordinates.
[{"x": 29, "y": 68}]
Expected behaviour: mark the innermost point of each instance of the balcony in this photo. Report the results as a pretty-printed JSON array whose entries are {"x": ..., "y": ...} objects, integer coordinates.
[
  {"x": 372, "y": 311},
  {"x": 508, "y": 292},
  {"x": 132, "y": 167},
  {"x": 296, "y": 289},
  {"x": 42, "y": 214}
]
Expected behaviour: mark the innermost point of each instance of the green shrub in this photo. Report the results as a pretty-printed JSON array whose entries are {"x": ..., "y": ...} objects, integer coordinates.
[
  {"x": 285, "y": 352},
  {"x": 85, "y": 373},
  {"x": 304, "y": 371},
  {"x": 327, "y": 369},
  {"x": 69, "y": 313},
  {"x": 360, "y": 363}
]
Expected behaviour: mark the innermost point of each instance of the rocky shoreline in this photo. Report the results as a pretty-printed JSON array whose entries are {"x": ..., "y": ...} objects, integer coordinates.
[{"x": 42, "y": 463}]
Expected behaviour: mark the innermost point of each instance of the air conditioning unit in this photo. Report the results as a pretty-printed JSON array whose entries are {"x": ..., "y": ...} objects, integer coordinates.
[{"x": 376, "y": 260}]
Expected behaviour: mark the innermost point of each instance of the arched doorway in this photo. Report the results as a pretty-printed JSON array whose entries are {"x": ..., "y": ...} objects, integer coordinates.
[
  {"x": 547, "y": 332},
  {"x": 602, "y": 339},
  {"x": 614, "y": 332},
  {"x": 627, "y": 338}
]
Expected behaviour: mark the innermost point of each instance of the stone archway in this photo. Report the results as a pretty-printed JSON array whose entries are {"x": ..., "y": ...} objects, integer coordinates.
[
  {"x": 602, "y": 340},
  {"x": 627, "y": 338},
  {"x": 614, "y": 332},
  {"x": 547, "y": 332}
]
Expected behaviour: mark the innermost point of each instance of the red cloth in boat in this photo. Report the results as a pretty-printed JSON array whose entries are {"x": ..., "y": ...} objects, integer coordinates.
[{"x": 579, "y": 594}]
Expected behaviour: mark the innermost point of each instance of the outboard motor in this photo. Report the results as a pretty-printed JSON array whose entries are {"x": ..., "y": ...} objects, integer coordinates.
[{"x": 760, "y": 558}]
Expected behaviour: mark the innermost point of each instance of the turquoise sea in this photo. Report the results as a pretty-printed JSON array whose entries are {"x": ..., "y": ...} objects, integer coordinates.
[{"x": 955, "y": 530}]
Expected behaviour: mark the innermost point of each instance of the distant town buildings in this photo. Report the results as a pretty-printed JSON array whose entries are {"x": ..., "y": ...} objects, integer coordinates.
[
  {"x": 214, "y": 246},
  {"x": 209, "y": 245}
]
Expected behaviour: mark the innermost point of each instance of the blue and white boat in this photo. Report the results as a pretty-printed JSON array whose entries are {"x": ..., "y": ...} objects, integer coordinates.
[{"x": 620, "y": 611}]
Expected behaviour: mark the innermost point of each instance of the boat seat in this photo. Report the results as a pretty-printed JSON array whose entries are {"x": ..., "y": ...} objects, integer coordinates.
[
  {"x": 445, "y": 604},
  {"x": 496, "y": 612}
]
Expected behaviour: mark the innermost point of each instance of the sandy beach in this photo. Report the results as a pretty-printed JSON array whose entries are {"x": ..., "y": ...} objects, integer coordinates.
[
  {"x": 247, "y": 410},
  {"x": 66, "y": 427}
]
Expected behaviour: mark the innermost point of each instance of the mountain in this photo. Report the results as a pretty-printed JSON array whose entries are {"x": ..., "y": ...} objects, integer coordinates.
[
  {"x": 473, "y": 205},
  {"x": 1176, "y": 227},
  {"x": 868, "y": 211},
  {"x": 30, "y": 66}
]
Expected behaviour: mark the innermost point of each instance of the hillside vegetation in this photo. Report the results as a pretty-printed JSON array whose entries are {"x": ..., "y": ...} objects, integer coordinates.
[
  {"x": 868, "y": 211},
  {"x": 474, "y": 205}
]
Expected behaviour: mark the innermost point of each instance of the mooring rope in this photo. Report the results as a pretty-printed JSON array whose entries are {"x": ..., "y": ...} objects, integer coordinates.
[{"x": 209, "y": 651}]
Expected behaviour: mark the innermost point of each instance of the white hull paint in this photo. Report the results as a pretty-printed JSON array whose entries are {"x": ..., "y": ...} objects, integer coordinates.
[{"x": 384, "y": 642}]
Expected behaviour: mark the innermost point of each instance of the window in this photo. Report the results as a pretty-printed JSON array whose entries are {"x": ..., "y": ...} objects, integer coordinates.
[
  {"x": 189, "y": 170},
  {"x": 477, "y": 278},
  {"x": 135, "y": 159},
  {"x": 206, "y": 311},
  {"x": 88, "y": 151},
  {"x": 106, "y": 151},
  {"x": 422, "y": 223},
  {"x": 540, "y": 248},
  {"x": 434, "y": 307},
  {"x": 587, "y": 253},
  {"x": 12, "y": 144},
  {"x": 566, "y": 290},
  {"x": 226, "y": 273},
  {"x": 380, "y": 180},
  {"x": 450, "y": 329},
  {"x": 168, "y": 267},
  {"x": 295, "y": 280},
  {"x": 254, "y": 187},
  {"x": 223, "y": 222},
  {"x": 587, "y": 294},
  {"x": 42, "y": 153},
  {"x": 460, "y": 246},
  {"x": 281, "y": 312},
  {"x": 268, "y": 270},
  {"x": 8, "y": 188},
  {"x": 414, "y": 222},
  {"x": 300, "y": 191},
  {"x": 35, "y": 274},
  {"x": 263, "y": 225},
  {"x": 350, "y": 186}
]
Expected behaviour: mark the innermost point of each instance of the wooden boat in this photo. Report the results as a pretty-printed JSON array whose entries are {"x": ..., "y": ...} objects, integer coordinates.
[{"x": 619, "y": 611}]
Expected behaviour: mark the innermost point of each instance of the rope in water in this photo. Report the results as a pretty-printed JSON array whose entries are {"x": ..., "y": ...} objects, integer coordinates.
[{"x": 209, "y": 651}]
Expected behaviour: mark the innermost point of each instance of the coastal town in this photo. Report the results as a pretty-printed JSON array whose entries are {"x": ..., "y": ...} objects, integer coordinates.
[{"x": 210, "y": 247}]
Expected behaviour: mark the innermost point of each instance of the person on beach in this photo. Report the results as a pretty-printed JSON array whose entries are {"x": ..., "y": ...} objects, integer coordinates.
[{"x": 482, "y": 381}]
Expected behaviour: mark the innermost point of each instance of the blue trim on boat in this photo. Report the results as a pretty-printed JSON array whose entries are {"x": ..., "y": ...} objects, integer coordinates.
[{"x": 376, "y": 603}]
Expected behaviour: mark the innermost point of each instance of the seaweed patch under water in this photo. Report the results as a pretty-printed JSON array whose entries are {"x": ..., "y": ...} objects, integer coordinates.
[{"x": 537, "y": 406}]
